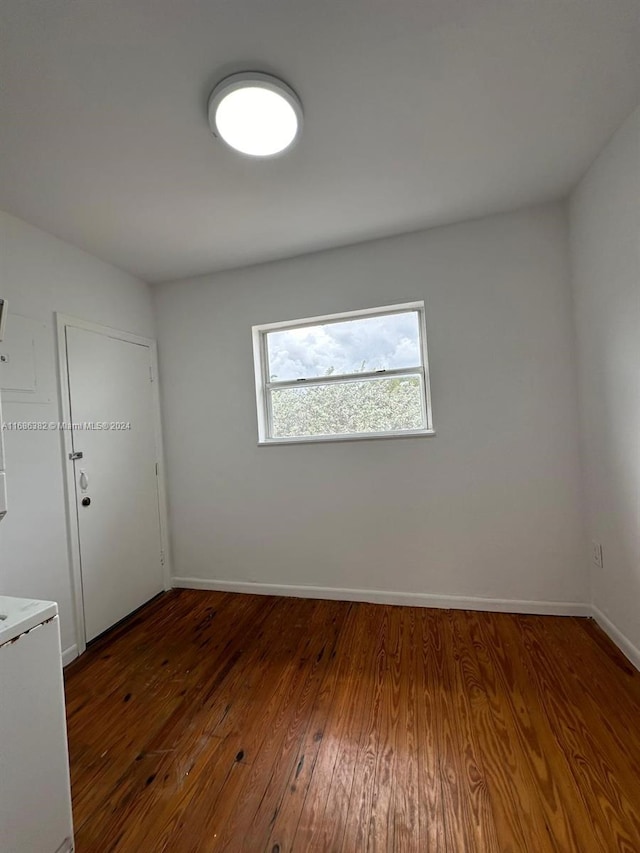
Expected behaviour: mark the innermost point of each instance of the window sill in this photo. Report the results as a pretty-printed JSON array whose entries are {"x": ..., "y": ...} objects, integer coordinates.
[{"x": 323, "y": 439}]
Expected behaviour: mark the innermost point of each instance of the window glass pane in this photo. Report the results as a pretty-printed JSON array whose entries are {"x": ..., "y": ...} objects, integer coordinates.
[
  {"x": 349, "y": 346},
  {"x": 338, "y": 408}
]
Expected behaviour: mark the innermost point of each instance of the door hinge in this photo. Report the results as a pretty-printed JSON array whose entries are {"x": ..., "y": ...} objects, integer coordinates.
[
  {"x": 162, "y": 558},
  {"x": 151, "y": 373},
  {"x": 156, "y": 469}
]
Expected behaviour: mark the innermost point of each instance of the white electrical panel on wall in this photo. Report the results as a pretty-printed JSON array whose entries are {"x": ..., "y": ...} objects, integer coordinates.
[{"x": 21, "y": 360}]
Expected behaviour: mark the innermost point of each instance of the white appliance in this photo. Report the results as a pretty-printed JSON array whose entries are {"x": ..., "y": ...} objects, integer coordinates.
[{"x": 35, "y": 792}]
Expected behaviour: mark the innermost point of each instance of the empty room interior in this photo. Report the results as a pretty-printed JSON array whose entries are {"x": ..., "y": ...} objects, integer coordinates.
[{"x": 320, "y": 457}]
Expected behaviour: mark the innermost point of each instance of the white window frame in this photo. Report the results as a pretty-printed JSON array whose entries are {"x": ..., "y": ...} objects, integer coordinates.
[{"x": 264, "y": 385}]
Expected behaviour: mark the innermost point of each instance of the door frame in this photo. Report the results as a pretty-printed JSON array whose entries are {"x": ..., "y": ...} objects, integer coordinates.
[{"x": 73, "y": 534}]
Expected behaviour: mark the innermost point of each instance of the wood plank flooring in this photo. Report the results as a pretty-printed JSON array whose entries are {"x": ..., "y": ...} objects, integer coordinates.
[{"x": 214, "y": 721}]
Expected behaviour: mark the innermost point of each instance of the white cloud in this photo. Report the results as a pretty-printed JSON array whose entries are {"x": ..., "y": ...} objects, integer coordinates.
[{"x": 371, "y": 343}]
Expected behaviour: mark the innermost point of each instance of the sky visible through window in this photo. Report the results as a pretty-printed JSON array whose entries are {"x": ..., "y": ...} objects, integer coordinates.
[{"x": 353, "y": 346}]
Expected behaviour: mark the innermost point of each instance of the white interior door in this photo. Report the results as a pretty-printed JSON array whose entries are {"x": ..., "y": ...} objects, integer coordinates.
[{"x": 116, "y": 481}]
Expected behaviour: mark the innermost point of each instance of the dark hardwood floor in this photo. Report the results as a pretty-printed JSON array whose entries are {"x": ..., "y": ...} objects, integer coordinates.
[{"x": 215, "y": 721}]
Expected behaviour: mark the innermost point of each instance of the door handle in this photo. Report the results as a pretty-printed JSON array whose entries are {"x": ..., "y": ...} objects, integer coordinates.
[{"x": 84, "y": 481}]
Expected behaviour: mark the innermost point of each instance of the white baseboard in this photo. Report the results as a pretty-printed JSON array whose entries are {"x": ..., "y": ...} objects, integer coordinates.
[
  {"x": 621, "y": 640},
  {"x": 412, "y": 599},
  {"x": 379, "y": 596},
  {"x": 69, "y": 654}
]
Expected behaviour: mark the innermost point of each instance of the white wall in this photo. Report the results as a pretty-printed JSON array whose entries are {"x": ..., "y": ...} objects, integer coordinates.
[
  {"x": 490, "y": 507},
  {"x": 40, "y": 275},
  {"x": 605, "y": 243}
]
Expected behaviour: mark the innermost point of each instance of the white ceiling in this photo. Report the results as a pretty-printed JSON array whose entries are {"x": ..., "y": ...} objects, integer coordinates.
[{"x": 417, "y": 113}]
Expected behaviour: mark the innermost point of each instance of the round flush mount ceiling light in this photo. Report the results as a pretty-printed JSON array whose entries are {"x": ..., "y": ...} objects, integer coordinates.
[{"x": 255, "y": 113}]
